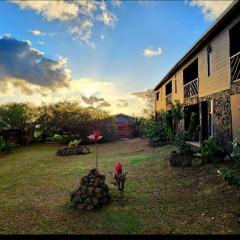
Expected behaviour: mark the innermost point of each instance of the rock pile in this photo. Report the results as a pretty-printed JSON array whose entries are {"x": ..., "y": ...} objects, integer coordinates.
[
  {"x": 67, "y": 151},
  {"x": 92, "y": 192}
]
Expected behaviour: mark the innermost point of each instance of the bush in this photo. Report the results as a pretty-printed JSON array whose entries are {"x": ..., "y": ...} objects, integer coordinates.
[
  {"x": 208, "y": 149},
  {"x": 5, "y": 147},
  {"x": 235, "y": 154},
  {"x": 230, "y": 177},
  {"x": 192, "y": 131},
  {"x": 57, "y": 138},
  {"x": 183, "y": 147},
  {"x": 152, "y": 128},
  {"x": 74, "y": 143}
]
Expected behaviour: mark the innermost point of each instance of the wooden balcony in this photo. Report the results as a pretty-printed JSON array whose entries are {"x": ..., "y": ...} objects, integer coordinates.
[
  {"x": 191, "y": 88},
  {"x": 235, "y": 67}
]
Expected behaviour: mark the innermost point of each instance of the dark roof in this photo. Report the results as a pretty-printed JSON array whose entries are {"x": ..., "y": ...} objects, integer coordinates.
[
  {"x": 122, "y": 114},
  {"x": 119, "y": 118},
  {"x": 232, "y": 11}
]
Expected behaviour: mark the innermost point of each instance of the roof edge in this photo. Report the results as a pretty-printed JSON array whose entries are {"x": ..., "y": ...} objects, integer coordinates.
[{"x": 197, "y": 44}]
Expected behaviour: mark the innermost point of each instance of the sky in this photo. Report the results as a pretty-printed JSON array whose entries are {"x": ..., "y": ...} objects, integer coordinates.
[{"x": 112, "y": 51}]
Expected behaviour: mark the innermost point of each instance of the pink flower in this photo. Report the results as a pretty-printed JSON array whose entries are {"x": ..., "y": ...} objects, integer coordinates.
[{"x": 95, "y": 136}]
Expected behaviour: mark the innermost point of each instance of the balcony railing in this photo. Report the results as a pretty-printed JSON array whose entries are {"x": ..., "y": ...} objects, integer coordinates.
[
  {"x": 235, "y": 66},
  {"x": 168, "y": 98},
  {"x": 191, "y": 88}
]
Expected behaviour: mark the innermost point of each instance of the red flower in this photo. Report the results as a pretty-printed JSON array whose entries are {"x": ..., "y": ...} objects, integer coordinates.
[
  {"x": 118, "y": 167},
  {"x": 95, "y": 136}
]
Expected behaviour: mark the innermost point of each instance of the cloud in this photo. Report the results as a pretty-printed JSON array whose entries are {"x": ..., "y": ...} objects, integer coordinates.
[
  {"x": 102, "y": 36},
  {"x": 121, "y": 103},
  {"x": 51, "y": 10},
  {"x": 93, "y": 101},
  {"x": 210, "y": 9},
  {"x": 144, "y": 95},
  {"x": 36, "y": 32},
  {"x": 18, "y": 60},
  {"x": 149, "y": 52},
  {"x": 78, "y": 17},
  {"x": 116, "y": 3},
  {"x": 40, "y": 42},
  {"x": 108, "y": 18}
]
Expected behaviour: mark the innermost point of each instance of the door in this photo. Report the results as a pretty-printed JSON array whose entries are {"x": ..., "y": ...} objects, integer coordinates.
[{"x": 235, "y": 107}]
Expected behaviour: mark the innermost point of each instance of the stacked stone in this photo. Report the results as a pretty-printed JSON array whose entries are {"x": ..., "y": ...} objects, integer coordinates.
[
  {"x": 92, "y": 192},
  {"x": 67, "y": 151}
]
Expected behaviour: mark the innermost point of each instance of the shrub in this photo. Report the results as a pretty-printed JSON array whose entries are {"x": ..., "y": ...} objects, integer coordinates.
[
  {"x": 74, "y": 143},
  {"x": 235, "y": 154},
  {"x": 57, "y": 138},
  {"x": 230, "y": 177},
  {"x": 192, "y": 131},
  {"x": 208, "y": 149},
  {"x": 152, "y": 128},
  {"x": 5, "y": 147},
  {"x": 183, "y": 147}
]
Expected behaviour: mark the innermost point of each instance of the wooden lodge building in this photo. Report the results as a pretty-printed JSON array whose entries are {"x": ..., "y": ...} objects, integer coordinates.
[{"x": 207, "y": 80}]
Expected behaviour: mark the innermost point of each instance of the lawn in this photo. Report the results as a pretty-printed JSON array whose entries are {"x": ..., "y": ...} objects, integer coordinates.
[{"x": 35, "y": 186}]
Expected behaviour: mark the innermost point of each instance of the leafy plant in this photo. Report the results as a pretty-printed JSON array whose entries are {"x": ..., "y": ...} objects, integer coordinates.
[
  {"x": 57, "y": 138},
  {"x": 5, "y": 147},
  {"x": 229, "y": 176},
  {"x": 74, "y": 143},
  {"x": 183, "y": 147},
  {"x": 192, "y": 131},
  {"x": 152, "y": 128},
  {"x": 208, "y": 149},
  {"x": 235, "y": 154}
]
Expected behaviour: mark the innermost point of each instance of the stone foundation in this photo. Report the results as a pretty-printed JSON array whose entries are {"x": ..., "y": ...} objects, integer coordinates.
[{"x": 222, "y": 115}]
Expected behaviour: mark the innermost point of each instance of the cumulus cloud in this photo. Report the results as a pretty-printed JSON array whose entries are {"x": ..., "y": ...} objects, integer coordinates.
[
  {"x": 210, "y": 9},
  {"x": 150, "y": 52},
  {"x": 40, "y": 42},
  {"x": 19, "y": 60},
  {"x": 93, "y": 101},
  {"x": 36, "y": 32},
  {"x": 78, "y": 17}
]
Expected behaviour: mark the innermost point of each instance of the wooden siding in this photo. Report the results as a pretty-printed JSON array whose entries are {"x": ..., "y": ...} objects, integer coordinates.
[{"x": 219, "y": 79}]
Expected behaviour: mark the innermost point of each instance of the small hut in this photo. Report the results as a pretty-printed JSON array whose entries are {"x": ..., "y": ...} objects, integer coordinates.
[{"x": 125, "y": 126}]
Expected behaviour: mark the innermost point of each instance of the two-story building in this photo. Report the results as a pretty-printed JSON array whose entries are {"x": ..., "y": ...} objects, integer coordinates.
[{"x": 207, "y": 80}]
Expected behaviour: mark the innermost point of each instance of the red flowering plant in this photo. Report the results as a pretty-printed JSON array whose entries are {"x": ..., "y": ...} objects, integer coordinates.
[
  {"x": 95, "y": 137},
  {"x": 119, "y": 178}
]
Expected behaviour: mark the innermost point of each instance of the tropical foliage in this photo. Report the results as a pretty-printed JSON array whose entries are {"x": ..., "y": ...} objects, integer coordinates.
[
  {"x": 5, "y": 147},
  {"x": 64, "y": 118}
]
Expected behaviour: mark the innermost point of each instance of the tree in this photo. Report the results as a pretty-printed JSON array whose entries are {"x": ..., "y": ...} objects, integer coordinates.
[{"x": 14, "y": 115}]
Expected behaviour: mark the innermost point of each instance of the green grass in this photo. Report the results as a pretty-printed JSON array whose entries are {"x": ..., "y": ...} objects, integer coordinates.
[
  {"x": 35, "y": 185},
  {"x": 184, "y": 181}
]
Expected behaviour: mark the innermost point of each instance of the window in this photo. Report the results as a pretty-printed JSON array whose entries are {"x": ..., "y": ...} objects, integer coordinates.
[
  {"x": 157, "y": 96},
  {"x": 168, "y": 88},
  {"x": 209, "y": 59}
]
